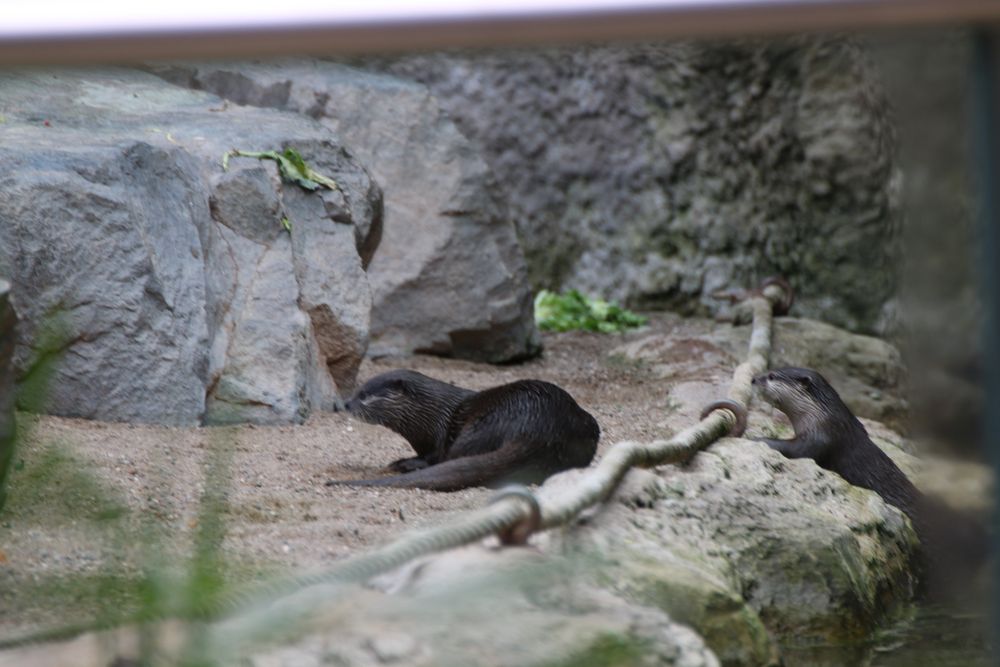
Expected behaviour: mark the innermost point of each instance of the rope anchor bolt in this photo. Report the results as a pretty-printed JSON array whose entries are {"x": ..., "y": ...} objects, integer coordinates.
[
  {"x": 735, "y": 407},
  {"x": 518, "y": 534}
]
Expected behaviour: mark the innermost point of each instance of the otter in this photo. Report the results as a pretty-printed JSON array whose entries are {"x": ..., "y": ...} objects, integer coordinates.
[
  {"x": 523, "y": 432},
  {"x": 828, "y": 432}
]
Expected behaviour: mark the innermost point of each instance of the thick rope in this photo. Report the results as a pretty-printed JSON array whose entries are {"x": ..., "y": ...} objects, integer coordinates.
[{"x": 285, "y": 601}]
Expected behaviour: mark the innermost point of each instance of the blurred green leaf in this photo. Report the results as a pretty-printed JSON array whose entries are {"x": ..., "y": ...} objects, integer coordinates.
[
  {"x": 291, "y": 166},
  {"x": 572, "y": 310}
]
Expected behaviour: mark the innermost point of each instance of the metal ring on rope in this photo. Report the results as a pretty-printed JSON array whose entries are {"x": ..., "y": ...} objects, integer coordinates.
[
  {"x": 518, "y": 534},
  {"x": 738, "y": 410},
  {"x": 782, "y": 307}
]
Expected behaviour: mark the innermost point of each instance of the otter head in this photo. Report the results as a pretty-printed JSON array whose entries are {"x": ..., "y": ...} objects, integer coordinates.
[
  {"x": 802, "y": 394},
  {"x": 410, "y": 403},
  {"x": 388, "y": 398}
]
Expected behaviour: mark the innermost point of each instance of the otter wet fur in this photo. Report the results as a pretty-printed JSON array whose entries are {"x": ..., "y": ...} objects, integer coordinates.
[
  {"x": 828, "y": 432},
  {"x": 523, "y": 432}
]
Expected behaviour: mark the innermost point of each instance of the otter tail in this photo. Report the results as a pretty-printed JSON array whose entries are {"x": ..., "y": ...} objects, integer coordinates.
[{"x": 507, "y": 464}]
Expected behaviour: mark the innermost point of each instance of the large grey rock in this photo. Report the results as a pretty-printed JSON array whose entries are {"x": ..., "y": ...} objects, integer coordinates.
[
  {"x": 658, "y": 174},
  {"x": 8, "y": 320},
  {"x": 475, "y": 605},
  {"x": 743, "y": 545},
  {"x": 449, "y": 276},
  {"x": 170, "y": 285},
  {"x": 472, "y": 606}
]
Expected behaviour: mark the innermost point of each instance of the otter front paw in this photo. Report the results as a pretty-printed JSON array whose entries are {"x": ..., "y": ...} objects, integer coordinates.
[{"x": 408, "y": 465}]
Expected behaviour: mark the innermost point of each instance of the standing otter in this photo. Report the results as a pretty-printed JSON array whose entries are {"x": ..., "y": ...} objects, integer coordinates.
[
  {"x": 524, "y": 431},
  {"x": 827, "y": 432}
]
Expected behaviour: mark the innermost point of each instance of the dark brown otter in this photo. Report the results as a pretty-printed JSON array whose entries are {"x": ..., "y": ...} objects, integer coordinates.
[
  {"x": 524, "y": 431},
  {"x": 827, "y": 432}
]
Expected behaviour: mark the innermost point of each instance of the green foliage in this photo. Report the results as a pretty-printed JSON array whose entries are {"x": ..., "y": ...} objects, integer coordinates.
[
  {"x": 145, "y": 579},
  {"x": 50, "y": 339},
  {"x": 55, "y": 486},
  {"x": 291, "y": 165},
  {"x": 572, "y": 310}
]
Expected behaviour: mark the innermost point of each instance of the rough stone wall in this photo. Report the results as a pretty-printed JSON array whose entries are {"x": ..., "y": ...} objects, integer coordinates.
[{"x": 657, "y": 174}]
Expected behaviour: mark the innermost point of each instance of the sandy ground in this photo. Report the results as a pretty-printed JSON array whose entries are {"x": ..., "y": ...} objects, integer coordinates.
[{"x": 74, "y": 477}]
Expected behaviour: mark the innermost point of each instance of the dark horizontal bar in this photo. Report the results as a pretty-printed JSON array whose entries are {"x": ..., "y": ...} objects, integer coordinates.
[{"x": 329, "y": 36}]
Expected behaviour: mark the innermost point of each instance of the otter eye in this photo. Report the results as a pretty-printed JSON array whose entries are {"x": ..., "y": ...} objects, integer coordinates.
[
  {"x": 804, "y": 381},
  {"x": 770, "y": 376}
]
